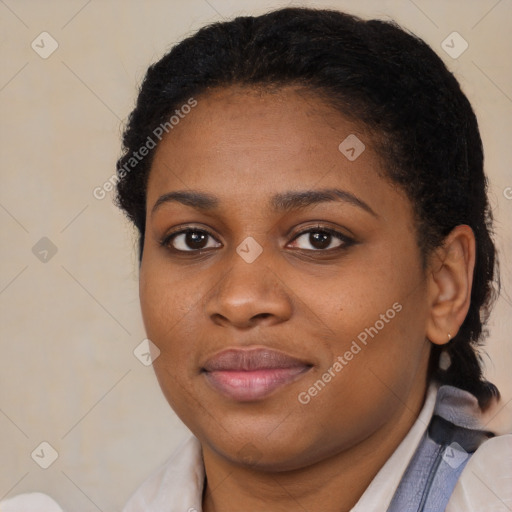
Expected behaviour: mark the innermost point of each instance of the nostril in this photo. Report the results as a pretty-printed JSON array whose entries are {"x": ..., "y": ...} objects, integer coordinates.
[{"x": 262, "y": 315}]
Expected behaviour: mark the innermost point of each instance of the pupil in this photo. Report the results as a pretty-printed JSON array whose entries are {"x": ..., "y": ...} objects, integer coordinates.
[
  {"x": 319, "y": 239},
  {"x": 195, "y": 239}
]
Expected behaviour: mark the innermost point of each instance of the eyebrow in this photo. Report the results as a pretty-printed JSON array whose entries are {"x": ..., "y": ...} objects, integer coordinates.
[{"x": 280, "y": 203}]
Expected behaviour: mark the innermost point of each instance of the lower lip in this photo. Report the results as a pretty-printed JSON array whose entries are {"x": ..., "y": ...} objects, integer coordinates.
[{"x": 247, "y": 386}]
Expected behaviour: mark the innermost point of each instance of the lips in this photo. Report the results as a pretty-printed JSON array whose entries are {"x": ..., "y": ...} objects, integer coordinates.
[{"x": 252, "y": 374}]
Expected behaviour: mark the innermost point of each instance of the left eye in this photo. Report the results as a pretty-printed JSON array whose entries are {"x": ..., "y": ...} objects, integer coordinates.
[{"x": 322, "y": 238}]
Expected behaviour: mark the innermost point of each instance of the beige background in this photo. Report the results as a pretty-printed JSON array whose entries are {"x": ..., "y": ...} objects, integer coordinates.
[{"x": 68, "y": 375}]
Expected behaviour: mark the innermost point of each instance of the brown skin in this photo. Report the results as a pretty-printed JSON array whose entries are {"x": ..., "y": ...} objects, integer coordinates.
[{"x": 243, "y": 146}]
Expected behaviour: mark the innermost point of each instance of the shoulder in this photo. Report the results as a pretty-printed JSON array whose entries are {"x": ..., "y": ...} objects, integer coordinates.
[
  {"x": 178, "y": 482},
  {"x": 486, "y": 481},
  {"x": 34, "y": 501}
]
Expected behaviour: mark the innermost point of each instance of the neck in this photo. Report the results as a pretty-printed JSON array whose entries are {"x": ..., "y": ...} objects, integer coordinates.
[{"x": 334, "y": 484}]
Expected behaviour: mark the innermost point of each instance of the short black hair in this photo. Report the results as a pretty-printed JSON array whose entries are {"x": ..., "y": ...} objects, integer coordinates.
[{"x": 377, "y": 74}]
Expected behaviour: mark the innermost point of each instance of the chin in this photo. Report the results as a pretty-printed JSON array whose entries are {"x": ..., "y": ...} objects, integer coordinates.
[{"x": 251, "y": 446}]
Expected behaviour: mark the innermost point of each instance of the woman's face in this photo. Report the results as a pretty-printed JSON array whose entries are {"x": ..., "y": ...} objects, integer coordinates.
[{"x": 291, "y": 320}]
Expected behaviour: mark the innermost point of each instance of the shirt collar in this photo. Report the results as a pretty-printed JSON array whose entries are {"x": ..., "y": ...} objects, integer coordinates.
[
  {"x": 178, "y": 486},
  {"x": 379, "y": 493}
]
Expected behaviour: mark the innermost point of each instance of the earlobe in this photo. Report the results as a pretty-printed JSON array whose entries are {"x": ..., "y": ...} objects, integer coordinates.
[{"x": 449, "y": 284}]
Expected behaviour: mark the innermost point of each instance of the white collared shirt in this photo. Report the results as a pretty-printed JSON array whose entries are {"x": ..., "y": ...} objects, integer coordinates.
[
  {"x": 178, "y": 485},
  {"x": 484, "y": 485}
]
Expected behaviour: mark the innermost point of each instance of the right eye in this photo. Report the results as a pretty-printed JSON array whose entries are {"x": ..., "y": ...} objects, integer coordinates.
[{"x": 188, "y": 240}]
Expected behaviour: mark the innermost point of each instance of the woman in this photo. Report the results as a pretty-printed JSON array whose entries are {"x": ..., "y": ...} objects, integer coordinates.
[{"x": 316, "y": 268}]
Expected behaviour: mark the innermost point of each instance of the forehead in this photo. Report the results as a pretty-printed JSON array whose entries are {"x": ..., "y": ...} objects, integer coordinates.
[
  {"x": 254, "y": 121},
  {"x": 249, "y": 143}
]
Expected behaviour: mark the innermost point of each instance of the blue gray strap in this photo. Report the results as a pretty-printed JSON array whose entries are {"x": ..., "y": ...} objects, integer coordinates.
[{"x": 430, "y": 478}]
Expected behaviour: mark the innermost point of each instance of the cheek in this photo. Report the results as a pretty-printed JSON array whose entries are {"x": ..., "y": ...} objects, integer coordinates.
[
  {"x": 388, "y": 355},
  {"x": 379, "y": 314},
  {"x": 167, "y": 305},
  {"x": 368, "y": 297},
  {"x": 165, "y": 299}
]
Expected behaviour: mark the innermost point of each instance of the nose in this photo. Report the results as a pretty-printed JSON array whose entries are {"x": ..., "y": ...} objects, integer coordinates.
[{"x": 249, "y": 294}]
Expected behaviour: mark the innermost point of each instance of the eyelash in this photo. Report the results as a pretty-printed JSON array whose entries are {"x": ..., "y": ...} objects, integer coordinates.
[{"x": 346, "y": 241}]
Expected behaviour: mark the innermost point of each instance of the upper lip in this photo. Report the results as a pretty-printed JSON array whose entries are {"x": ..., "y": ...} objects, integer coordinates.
[{"x": 251, "y": 360}]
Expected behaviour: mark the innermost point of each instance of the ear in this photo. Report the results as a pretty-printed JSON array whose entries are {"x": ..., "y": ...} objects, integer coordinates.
[{"x": 449, "y": 284}]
